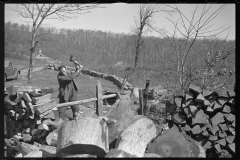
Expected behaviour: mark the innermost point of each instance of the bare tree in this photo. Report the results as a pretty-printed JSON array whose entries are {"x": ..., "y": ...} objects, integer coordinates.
[
  {"x": 37, "y": 13},
  {"x": 190, "y": 29},
  {"x": 146, "y": 14}
]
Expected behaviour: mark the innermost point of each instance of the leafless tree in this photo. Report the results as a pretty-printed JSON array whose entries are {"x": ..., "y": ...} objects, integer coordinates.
[
  {"x": 37, "y": 13},
  {"x": 144, "y": 24},
  {"x": 190, "y": 29}
]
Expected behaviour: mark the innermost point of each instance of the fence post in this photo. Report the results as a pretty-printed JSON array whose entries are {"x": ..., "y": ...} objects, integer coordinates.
[
  {"x": 145, "y": 96},
  {"x": 141, "y": 101},
  {"x": 99, "y": 102}
]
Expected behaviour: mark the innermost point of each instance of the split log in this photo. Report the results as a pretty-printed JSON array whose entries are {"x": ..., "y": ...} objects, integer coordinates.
[
  {"x": 178, "y": 118},
  {"x": 47, "y": 91},
  {"x": 135, "y": 138},
  {"x": 231, "y": 117},
  {"x": 175, "y": 144},
  {"x": 179, "y": 93},
  {"x": 232, "y": 147},
  {"x": 188, "y": 95},
  {"x": 41, "y": 109},
  {"x": 187, "y": 128},
  {"x": 85, "y": 135},
  {"x": 151, "y": 155},
  {"x": 218, "y": 118},
  {"x": 205, "y": 133},
  {"x": 218, "y": 148},
  {"x": 35, "y": 93},
  {"x": 214, "y": 129},
  {"x": 200, "y": 98},
  {"x": 43, "y": 99},
  {"x": 222, "y": 134},
  {"x": 178, "y": 102},
  {"x": 48, "y": 151},
  {"x": 222, "y": 142},
  {"x": 206, "y": 93},
  {"x": 194, "y": 89},
  {"x": 27, "y": 137},
  {"x": 115, "y": 153},
  {"x": 196, "y": 129},
  {"x": 223, "y": 127},
  {"x": 193, "y": 109},
  {"x": 226, "y": 109},
  {"x": 207, "y": 145},
  {"x": 213, "y": 138},
  {"x": 188, "y": 112},
  {"x": 222, "y": 101},
  {"x": 200, "y": 118},
  {"x": 26, "y": 97},
  {"x": 34, "y": 154},
  {"x": 217, "y": 106},
  {"x": 51, "y": 139},
  {"x": 231, "y": 93},
  {"x": 230, "y": 139}
]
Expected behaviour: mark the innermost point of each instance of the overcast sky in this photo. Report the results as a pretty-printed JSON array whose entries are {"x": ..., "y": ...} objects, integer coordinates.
[{"x": 119, "y": 18}]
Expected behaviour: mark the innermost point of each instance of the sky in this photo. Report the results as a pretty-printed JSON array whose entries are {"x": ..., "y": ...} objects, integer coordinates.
[{"x": 120, "y": 18}]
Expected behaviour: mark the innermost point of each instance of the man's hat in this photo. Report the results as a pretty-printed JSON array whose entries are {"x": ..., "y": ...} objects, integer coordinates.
[{"x": 60, "y": 67}]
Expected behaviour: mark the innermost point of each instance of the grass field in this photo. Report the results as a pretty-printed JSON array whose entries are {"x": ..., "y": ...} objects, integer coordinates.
[{"x": 48, "y": 78}]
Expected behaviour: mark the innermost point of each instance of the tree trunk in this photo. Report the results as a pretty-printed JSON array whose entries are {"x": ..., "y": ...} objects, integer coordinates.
[
  {"x": 32, "y": 50},
  {"x": 85, "y": 135},
  {"x": 135, "y": 138}
]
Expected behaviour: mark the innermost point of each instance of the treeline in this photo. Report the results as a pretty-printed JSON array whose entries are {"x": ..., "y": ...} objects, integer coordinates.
[{"x": 100, "y": 50}]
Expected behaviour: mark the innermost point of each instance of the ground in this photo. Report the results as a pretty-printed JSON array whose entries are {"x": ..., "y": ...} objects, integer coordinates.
[{"x": 48, "y": 78}]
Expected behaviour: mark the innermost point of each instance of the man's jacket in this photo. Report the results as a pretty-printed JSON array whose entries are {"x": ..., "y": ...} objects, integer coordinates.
[{"x": 67, "y": 86}]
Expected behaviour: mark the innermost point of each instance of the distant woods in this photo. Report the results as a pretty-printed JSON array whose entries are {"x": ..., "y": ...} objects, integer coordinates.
[{"x": 100, "y": 50}]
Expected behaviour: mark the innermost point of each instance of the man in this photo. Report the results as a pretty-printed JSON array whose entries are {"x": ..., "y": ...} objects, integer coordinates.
[{"x": 67, "y": 90}]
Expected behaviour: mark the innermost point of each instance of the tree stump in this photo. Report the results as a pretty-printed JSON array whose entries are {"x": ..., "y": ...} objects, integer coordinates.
[
  {"x": 85, "y": 135},
  {"x": 175, "y": 144},
  {"x": 135, "y": 138}
]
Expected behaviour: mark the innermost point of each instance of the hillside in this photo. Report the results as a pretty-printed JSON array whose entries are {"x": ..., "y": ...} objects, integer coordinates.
[{"x": 100, "y": 51}]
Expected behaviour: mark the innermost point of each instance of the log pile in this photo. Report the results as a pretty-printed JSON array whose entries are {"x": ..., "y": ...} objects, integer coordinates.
[
  {"x": 207, "y": 116},
  {"x": 29, "y": 118}
]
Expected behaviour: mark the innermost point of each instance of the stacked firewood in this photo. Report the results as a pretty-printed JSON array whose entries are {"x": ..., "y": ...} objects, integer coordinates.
[
  {"x": 207, "y": 116},
  {"x": 29, "y": 119}
]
